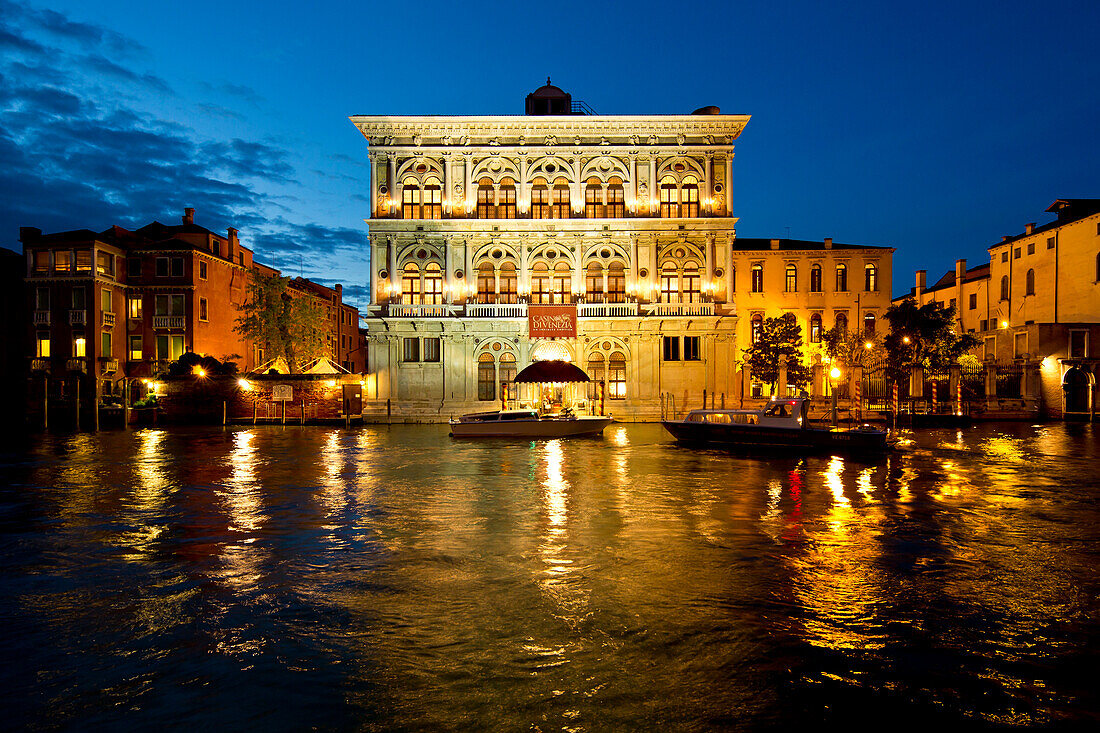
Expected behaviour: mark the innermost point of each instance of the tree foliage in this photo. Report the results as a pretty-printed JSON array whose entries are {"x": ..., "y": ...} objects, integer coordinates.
[
  {"x": 924, "y": 336},
  {"x": 850, "y": 348},
  {"x": 289, "y": 325},
  {"x": 779, "y": 337}
]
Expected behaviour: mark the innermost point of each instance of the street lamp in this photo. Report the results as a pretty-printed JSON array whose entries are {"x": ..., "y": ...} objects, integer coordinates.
[{"x": 834, "y": 375}]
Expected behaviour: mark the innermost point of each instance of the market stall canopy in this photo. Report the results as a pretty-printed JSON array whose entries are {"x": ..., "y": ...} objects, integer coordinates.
[
  {"x": 277, "y": 365},
  {"x": 552, "y": 370},
  {"x": 323, "y": 365}
]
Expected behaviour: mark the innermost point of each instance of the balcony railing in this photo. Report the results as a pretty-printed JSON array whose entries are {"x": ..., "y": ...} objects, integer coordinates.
[
  {"x": 78, "y": 317},
  {"x": 77, "y": 364},
  {"x": 41, "y": 318},
  {"x": 606, "y": 310},
  {"x": 109, "y": 364},
  {"x": 678, "y": 309},
  {"x": 496, "y": 310},
  {"x": 167, "y": 321},
  {"x": 108, "y": 319},
  {"x": 41, "y": 364},
  {"x": 421, "y": 311}
]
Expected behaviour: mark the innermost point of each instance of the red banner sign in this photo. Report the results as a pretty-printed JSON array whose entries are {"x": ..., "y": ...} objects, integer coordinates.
[{"x": 552, "y": 321}]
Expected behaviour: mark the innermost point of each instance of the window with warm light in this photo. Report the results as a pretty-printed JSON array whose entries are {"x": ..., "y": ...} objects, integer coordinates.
[
  {"x": 431, "y": 199},
  {"x": 410, "y": 284},
  {"x": 563, "y": 283},
  {"x": 62, "y": 260},
  {"x": 616, "y": 283},
  {"x": 80, "y": 348},
  {"x": 595, "y": 374},
  {"x": 486, "y": 377},
  {"x": 869, "y": 325},
  {"x": 758, "y": 278},
  {"x": 593, "y": 199},
  {"x": 815, "y": 328},
  {"x": 791, "y": 279},
  {"x": 689, "y": 281},
  {"x": 506, "y": 373},
  {"x": 540, "y": 199},
  {"x": 540, "y": 283},
  {"x": 486, "y": 283},
  {"x": 616, "y": 376},
  {"x": 509, "y": 284},
  {"x": 593, "y": 282},
  {"x": 560, "y": 207},
  {"x": 616, "y": 199},
  {"x": 689, "y": 197},
  {"x": 135, "y": 348},
  {"x": 815, "y": 279},
  {"x": 486, "y": 199},
  {"x": 42, "y": 346},
  {"x": 506, "y": 199},
  {"x": 842, "y": 323},
  {"x": 433, "y": 285},
  {"x": 670, "y": 283},
  {"x": 757, "y": 327},
  {"x": 670, "y": 205},
  {"x": 410, "y": 199},
  {"x": 870, "y": 278}
]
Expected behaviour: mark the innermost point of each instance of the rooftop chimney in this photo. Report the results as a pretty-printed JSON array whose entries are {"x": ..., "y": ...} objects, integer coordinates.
[
  {"x": 1029, "y": 228},
  {"x": 1006, "y": 237},
  {"x": 29, "y": 234},
  {"x": 775, "y": 244},
  {"x": 231, "y": 250},
  {"x": 828, "y": 242},
  {"x": 189, "y": 215},
  {"x": 922, "y": 280},
  {"x": 960, "y": 271}
]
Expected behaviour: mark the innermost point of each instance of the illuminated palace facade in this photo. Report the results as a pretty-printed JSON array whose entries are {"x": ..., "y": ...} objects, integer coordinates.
[{"x": 623, "y": 224}]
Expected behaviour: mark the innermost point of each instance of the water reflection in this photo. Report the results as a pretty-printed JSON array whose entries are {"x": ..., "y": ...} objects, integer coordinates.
[{"x": 390, "y": 578}]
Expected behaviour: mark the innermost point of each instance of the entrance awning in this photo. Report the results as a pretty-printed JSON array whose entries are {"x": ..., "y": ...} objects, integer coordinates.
[{"x": 552, "y": 370}]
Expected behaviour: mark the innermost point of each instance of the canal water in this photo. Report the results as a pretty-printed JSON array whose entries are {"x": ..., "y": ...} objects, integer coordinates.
[{"x": 392, "y": 578}]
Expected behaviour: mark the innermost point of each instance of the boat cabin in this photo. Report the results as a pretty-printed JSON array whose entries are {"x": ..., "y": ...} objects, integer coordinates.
[
  {"x": 501, "y": 415},
  {"x": 790, "y": 413}
]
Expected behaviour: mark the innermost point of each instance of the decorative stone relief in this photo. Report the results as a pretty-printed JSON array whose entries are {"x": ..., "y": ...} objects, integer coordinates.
[
  {"x": 680, "y": 139},
  {"x": 652, "y": 139},
  {"x": 417, "y": 139},
  {"x": 522, "y": 140},
  {"x": 446, "y": 140},
  {"x": 633, "y": 139},
  {"x": 550, "y": 140}
]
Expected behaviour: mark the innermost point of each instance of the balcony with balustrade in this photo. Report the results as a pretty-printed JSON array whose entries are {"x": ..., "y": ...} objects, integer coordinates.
[
  {"x": 678, "y": 309},
  {"x": 77, "y": 364},
  {"x": 420, "y": 310},
  {"x": 607, "y": 310},
  {"x": 41, "y": 364},
  {"x": 168, "y": 322},
  {"x": 108, "y": 364},
  {"x": 108, "y": 319},
  {"x": 42, "y": 318},
  {"x": 496, "y": 310},
  {"x": 78, "y": 317}
]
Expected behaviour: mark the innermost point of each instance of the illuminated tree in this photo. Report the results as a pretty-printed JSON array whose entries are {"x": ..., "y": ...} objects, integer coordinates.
[
  {"x": 924, "y": 336},
  {"x": 287, "y": 324},
  {"x": 779, "y": 337}
]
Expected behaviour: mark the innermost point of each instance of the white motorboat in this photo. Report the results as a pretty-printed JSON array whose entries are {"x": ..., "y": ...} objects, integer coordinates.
[{"x": 526, "y": 424}]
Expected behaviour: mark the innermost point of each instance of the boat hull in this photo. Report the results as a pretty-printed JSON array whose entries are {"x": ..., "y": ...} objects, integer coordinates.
[
  {"x": 755, "y": 436},
  {"x": 545, "y": 428}
]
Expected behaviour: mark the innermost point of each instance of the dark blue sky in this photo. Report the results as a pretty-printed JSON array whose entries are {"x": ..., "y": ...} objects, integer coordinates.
[{"x": 934, "y": 128}]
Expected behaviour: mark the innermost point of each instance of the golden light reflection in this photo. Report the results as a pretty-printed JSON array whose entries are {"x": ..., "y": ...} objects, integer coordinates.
[
  {"x": 333, "y": 495},
  {"x": 834, "y": 482},
  {"x": 150, "y": 494},
  {"x": 242, "y": 491},
  {"x": 559, "y": 582}
]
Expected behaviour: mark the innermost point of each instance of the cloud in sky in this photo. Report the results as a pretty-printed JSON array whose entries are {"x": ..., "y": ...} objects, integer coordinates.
[{"x": 82, "y": 151}]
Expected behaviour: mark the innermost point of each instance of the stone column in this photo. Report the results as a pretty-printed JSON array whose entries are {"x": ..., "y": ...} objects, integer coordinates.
[
  {"x": 391, "y": 181},
  {"x": 781, "y": 383},
  {"x": 634, "y": 183},
  {"x": 373, "y": 186},
  {"x": 633, "y": 264},
  {"x": 654, "y": 187},
  {"x": 817, "y": 371},
  {"x": 708, "y": 181},
  {"x": 730, "y": 242},
  {"x": 467, "y": 262},
  {"x": 708, "y": 255},
  {"x": 447, "y": 201},
  {"x": 391, "y": 245},
  {"x": 524, "y": 275},
  {"x": 448, "y": 271},
  {"x": 467, "y": 193},
  {"x": 729, "y": 184},
  {"x": 953, "y": 379},
  {"x": 523, "y": 202}
]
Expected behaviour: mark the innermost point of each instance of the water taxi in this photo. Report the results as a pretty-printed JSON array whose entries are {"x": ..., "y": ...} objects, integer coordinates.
[
  {"x": 526, "y": 424},
  {"x": 783, "y": 423}
]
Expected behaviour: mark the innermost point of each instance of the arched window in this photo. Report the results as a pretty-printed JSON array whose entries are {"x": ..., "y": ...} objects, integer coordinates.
[
  {"x": 1030, "y": 282},
  {"x": 690, "y": 283},
  {"x": 506, "y": 199},
  {"x": 815, "y": 279},
  {"x": 1004, "y": 287},
  {"x": 689, "y": 197},
  {"x": 792, "y": 279},
  {"x": 758, "y": 278},
  {"x": 842, "y": 278},
  {"x": 757, "y": 327},
  {"x": 507, "y": 375},
  {"x": 596, "y": 374},
  {"x": 486, "y": 377},
  {"x": 508, "y": 284},
  {"x": 563, "y": 283},
  {"x": 593, "y": 199},
  {"x": 410, "y": 199},
  {"x": 593, "y": 282},
  {"x": 616, "y": 199},
  {"x": 870, "y": 278},
  {"x": 670, "y": 284},
  {"x": 540, "y": 199},
  {"x": 560, "y": 208},
  {"x": 486, "y": 283},
  {"x": 670, "y": 206},
  {"x": 486, "y": 199},
  {"x": 410, "y": 284},
  {"x": 842, "y": 322},
  {"x": 432, "y": 199},
  {"x": 616, "y": 376},
  {"x": 433, "y": 285},
  {"x": 616, "y": 283},
  {"x": 869, "y": 325},
  {"x": 815, "y": 328},
  {"x": 540, "y": 283}
]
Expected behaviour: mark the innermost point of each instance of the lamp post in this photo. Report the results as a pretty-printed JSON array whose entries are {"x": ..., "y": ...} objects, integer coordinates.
[{"x": 834, "y": 374}]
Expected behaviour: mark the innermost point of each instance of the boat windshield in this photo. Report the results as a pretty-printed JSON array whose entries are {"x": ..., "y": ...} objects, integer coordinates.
[{"x": 523, "y": 415}]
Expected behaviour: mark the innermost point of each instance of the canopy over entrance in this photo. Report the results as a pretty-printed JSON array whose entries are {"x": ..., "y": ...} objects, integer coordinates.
[{"x": 553, "y": 371}]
